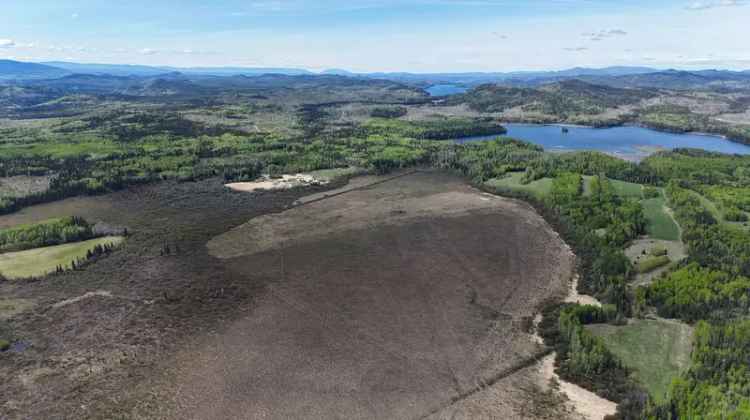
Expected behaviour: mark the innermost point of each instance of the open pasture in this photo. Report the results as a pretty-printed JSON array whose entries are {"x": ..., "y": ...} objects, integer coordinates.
[{"x": 40, "y": 261}]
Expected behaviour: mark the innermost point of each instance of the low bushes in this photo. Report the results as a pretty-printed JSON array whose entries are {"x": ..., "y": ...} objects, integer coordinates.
[{"x": 650, "y": 264}]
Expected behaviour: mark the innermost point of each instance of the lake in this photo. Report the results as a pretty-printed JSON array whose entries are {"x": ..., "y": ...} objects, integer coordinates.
[
  {"x": 445, "y": 90},
  {"x": 628, "y": 142}
]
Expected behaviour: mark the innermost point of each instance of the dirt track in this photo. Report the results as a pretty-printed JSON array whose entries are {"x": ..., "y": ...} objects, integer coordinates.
[{"x": 390, "y": 302}]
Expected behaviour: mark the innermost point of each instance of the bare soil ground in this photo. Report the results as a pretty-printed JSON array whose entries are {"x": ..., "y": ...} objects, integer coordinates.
[
  {"x": 85, "y": 340},
  {"x": 385, "y": 302},
  {"x": 426, "y": 112},
  {"x": 700, "y": 103},
  {"x": 364, "y": 317},
  {"x": 737, "y": 118},
  {"x": 22, "y": 185},
  {"x": 582, "y": 401}
]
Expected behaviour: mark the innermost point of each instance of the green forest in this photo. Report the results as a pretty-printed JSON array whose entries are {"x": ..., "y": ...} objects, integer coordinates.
[
  {"x": 584, "y": 197},
  {"x": 47, "y": 233}
]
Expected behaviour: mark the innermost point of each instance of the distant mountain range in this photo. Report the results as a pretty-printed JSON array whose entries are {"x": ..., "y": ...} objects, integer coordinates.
[
  {"x": 472, "y": 78},
  {"x": 136, "y": 70},
  {"x": 21, "y": 72},
  {"x": 16, "y": 70}
]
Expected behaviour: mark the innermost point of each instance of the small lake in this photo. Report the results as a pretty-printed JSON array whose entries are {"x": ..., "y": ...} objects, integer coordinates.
[
  {"x": 445, "y": 90},
  {"x": 629, "y": 142}
]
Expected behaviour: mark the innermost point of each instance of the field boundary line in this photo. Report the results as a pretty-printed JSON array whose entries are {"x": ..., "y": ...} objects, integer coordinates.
[
  {"x": 484, "y": 384},
  {"x": 361, "y": 187}
]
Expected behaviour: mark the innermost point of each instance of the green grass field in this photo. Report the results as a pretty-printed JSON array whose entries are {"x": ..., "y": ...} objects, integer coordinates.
[
  {"x": 622, "y": 188},
  {"x": 538, "y": 188},
  {"x": 659, "y": 224},
  {"x": 627, "y": 189},
  {"x": 41, "y": 261},
  {"x": 656, "y": 351}
]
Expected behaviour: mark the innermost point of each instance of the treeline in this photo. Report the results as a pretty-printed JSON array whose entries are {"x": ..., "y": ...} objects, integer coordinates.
[
  {"x": 92, "y": 255},
  {"x": 717, "y": 384},
  {"x": 93, "y": 167},
  {"x": 440, "y": 129},
  {"x": 583, "y": 358},
  {"x": 710, "y": 243},
  {"x": 598, "y": 225},
  {"x": 591, "y": 163},
  {"x": 563, "y": 100},
  {"x": 484, "y": 160},
  {"x": 696, "y": 167},
  {"x": 47, "y": 233},
  {"x": 711, "y": 285},
  {"x": 680, "y": 119},
  {"x": 64, "y": 186},
  {"x": 389, "y": 112},
  {"x": 693, "y": 293}
]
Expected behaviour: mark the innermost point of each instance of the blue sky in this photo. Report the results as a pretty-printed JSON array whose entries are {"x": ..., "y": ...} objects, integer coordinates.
[{"x": 381, "y": 35}]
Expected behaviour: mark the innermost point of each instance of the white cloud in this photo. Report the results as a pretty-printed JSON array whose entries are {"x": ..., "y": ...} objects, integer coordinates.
[
  {"x": 604, "y": 34},
  {"x": 7, "y": 43},
  {"x": 712, "y": 4},
  {"x": 148, "y": 51}
]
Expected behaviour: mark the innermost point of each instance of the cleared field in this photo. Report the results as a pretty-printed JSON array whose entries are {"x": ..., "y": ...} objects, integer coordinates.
[
  {"x": 641, "y": 250},
  {"x": 538, "y": 188},
  {"x": 41, "y": 261},
  {"x": 656, "y": 350},
  {"x": 21, "y": 185},
  {"x": 388, "y": 321},
  {"x": 391, "y": 301},
  {"x": 659, "y": 223},
  {"x": 627, "y": 189},
  {"x": 622, "y": 188}
]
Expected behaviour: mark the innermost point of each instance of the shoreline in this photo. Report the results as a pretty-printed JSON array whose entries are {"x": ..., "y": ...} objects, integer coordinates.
[{"x": 626, "y": 124}]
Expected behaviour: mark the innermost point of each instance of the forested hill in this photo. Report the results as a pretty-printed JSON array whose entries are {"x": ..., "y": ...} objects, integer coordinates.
[
  {"x": 561, "y": 98},
  {"x": 16, "y": 70}
]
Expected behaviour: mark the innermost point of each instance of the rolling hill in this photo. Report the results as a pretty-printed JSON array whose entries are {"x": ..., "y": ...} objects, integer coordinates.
[{"x": 17, "y": 70}]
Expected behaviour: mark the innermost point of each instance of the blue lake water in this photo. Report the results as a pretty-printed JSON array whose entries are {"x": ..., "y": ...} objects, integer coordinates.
[
  {"x": 628, "y": 142},
  {"x": 445, "y": 90}
]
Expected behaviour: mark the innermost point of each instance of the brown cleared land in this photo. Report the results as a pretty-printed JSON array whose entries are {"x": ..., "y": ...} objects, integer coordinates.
[
  {"x": 402, "y": 300},
  {"x": 416, "y": 303}
]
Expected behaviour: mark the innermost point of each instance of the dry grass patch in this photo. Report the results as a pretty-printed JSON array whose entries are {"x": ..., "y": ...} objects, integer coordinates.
[{"x": 42, "y": 261}]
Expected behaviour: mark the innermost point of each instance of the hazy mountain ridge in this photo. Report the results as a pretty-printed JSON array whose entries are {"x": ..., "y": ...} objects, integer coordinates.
[
  {"x": 616, "y": 76},
  {"x": 11, "y": 70}
]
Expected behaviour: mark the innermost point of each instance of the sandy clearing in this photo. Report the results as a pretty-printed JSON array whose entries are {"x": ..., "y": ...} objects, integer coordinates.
[
  {"x": 358, "y": 209},
  {"x": 585, "y": 402},
  {"x": 676, "y": 251},
  {"x": 270, "y": 184},
  {"x": 575, "y": 297}
]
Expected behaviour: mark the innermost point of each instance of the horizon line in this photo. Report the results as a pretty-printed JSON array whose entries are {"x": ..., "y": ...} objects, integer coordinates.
[{"x": 324, "y": 70}]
